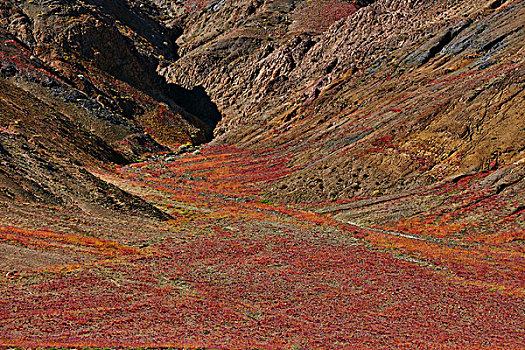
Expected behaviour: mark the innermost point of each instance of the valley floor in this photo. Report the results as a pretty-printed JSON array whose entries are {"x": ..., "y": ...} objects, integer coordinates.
[{"x": 233, "y": 270}]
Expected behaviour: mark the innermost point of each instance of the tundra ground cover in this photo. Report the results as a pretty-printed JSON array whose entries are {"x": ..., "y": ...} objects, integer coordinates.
[
  {"x": 399, "y": 128},
  {"x": 232, "y": 270}
]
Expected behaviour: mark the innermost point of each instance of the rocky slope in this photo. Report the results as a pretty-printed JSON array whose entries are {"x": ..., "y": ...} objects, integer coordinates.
[
  {"x": 430, "y": 89},
  {"x": 80, "y": 88},
  {"x": 393, "y": 98},
  {"x": 378, "y": 101}
]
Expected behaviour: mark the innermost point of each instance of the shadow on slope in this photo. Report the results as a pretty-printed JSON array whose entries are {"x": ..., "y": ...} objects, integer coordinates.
[{"x": 197, "y": 102}]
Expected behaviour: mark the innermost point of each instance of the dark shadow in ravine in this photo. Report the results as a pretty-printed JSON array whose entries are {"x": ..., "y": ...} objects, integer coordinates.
[{"x": 197, "y": 102}]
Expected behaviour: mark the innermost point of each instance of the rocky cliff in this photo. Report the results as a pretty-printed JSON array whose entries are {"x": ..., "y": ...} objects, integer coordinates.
[
  {"x": 396, "y": 95},
  {"x": 80, "y": 85}
]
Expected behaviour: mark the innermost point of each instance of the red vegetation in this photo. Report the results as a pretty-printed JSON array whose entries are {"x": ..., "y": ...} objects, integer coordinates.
[
  {"x": 195, "y": 5},
  {"x": 46, "y": 239},
  {"x": 318, "y": 15},
  {"x": 238, "y": 271}
]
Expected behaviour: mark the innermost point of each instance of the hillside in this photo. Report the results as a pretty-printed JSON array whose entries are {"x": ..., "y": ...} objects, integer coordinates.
[
  {"x": 392, "y": 101},
  {"x": 262, "y": 174}
]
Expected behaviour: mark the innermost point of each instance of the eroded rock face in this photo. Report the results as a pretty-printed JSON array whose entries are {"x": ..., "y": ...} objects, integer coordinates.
[
  {"x": 80, "y": 88},
  {"x": 397, "y": 95}
]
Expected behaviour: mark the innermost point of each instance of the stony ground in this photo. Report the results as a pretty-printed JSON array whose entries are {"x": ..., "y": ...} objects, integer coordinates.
[{"x": 232, "y": 270}]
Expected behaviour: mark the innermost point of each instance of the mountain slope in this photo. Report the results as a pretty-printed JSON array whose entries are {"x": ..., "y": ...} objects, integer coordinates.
[
  {"x": 397, "y": 96},
  {"x": 80, "y": 90}
]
